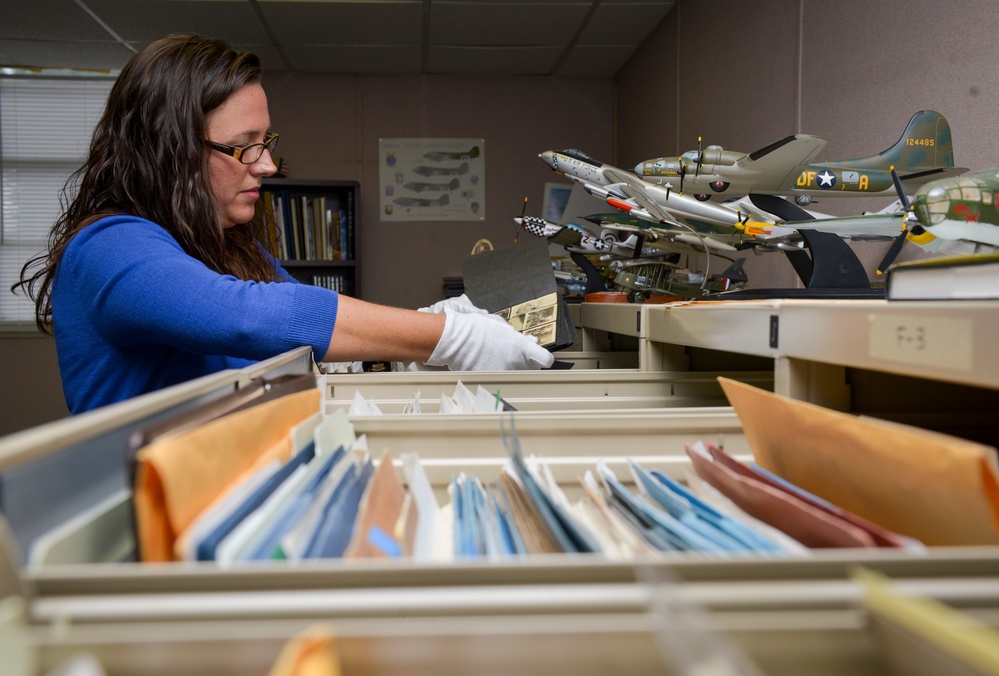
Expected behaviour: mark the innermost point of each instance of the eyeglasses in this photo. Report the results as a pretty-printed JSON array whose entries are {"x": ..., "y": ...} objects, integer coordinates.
[{"x": 247, "y": 154}]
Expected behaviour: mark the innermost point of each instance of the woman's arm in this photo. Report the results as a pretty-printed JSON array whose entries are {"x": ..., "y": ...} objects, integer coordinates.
[
  {"x": 460, "y": 339},
  {"x": 368, "y": 332}
]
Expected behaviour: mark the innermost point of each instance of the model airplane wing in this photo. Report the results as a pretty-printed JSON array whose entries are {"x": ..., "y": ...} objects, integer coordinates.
[
  {"x": 867, "y": 227},
  {"x": 635, "y": 188},
  {"x": 567, "y": 237},
  {"x": 885, "y": 224},
  {"x": 924, "y": 177},
  {"x": 779, "y": 160},
  {"x": 683, "y": 241}
]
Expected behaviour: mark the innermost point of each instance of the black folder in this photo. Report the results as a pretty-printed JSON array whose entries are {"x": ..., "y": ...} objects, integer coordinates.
[{"x": 521, "y": 279}]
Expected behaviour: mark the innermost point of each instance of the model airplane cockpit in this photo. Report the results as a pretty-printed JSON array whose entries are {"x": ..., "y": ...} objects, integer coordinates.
[{"x": 962, "y": 208}]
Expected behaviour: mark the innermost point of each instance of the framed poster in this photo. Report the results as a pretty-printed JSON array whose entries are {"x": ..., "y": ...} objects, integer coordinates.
[
  {"x": 556, "y": 200},
  {"x": 423, "y": 179}
]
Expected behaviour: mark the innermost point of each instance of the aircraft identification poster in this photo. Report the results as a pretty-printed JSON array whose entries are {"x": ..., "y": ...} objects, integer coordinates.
[{"x": 422, "y": 179}]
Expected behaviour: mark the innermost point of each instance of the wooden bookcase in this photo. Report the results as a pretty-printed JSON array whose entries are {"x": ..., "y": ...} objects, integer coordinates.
[{"x": 311, "y": 227}]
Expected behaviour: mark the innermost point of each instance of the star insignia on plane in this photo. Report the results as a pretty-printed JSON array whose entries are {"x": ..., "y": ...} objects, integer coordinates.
[{"x": 827, "y": 179}]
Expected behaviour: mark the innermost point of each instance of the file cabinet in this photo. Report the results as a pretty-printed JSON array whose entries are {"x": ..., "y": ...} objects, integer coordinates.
[
  {"x": 548, "y": 614},
  {"x": 930, "y": 364}
]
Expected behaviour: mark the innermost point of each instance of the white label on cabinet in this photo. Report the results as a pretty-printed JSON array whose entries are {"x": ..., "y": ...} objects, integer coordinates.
[{"x": 937, "y": 342}]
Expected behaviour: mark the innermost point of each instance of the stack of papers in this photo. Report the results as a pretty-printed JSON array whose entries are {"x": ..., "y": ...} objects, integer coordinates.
[
  {"x": 327, "y": 498},
  {"x": 462, "y": 400},
  {"x": 280, "y": 481}
]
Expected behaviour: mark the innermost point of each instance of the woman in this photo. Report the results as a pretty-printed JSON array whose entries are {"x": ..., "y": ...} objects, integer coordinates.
[{"x": 153, "y": 275}]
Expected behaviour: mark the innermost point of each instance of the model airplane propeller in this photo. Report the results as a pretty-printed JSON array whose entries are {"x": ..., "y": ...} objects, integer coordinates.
[
  {"x": 696, "y": 159},
  {"x": 896, "y": 245}
]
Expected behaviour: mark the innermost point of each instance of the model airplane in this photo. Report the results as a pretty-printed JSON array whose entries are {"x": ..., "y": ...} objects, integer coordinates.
[
  {"x": 759, "y": 222},
  {"x": 706, "y": 224},
  {"x": 951, "y": 215},
  {"x": 424, "y": 170},
  {"x": 421, "y": 202},
  {"x": 578, "y": 239},
  {"x": 964, "y": 208},
  {"x": 786, "y": 167},
  {"x": 417, "y": 186},
  {"x": 440, "y": 155},
  {"x": 746, "y": 223},
  {"x": 645, "y": 279}
]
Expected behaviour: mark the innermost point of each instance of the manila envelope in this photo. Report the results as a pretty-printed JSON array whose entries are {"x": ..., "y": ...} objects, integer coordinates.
[
  {"x": 180, "y": 475},
  {"x": 374, "y": 532},
  {"x": 935, "y": 488},
  {"x": 311, "y": 653}
]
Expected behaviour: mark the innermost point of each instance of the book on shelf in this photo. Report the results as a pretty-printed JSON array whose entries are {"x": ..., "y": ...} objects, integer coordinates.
[
  {"x": 969, "y": 277},
  {"x": 308, "y": 223}
]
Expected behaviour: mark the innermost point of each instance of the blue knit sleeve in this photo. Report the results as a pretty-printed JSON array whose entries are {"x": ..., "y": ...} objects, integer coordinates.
[{"x": 140, "y": 288}]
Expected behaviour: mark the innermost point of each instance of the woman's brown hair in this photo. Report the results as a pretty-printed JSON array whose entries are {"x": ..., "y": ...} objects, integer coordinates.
[{"x": 148, "y": 158}]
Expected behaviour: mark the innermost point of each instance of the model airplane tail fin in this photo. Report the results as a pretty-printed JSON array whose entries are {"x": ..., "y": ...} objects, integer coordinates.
[
  {"x": 925, "y": 144},
  {"x": 734, "y": 272}
]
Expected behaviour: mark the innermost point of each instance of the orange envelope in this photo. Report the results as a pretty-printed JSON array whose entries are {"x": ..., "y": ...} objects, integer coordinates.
[
  {"x": 374, "y": 528},
  {"x": 935, "y": 488},
  {"x": 312, "y": 653},
  {"x": 180, "y": 475}
]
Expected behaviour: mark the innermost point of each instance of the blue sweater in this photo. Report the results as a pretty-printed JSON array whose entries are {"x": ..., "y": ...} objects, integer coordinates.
[{"x": 133, "y": 313}]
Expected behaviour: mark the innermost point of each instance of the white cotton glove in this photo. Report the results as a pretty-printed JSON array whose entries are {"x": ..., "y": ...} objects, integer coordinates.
[
  {"x": 485, "y": 342},
  {"x": 460, "y": 303}
]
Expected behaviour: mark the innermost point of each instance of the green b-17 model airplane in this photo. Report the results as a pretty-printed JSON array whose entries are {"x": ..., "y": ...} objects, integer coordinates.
[{"x": 787, "y": 167}]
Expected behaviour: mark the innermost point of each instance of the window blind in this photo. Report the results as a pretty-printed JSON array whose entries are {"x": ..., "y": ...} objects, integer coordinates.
[{"x": 45, "y": 130}]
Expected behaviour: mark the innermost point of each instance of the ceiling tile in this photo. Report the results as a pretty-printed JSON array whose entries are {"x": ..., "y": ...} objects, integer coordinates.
[
  {"x": 594, "y": 61},
  {"x": 623, "y": 23},
  {"x": 493, "y": 61},
  {"x": 505, "y": 24},
  {"x": 48, "y": 19},
  {"x": 345, "y": 23},
  {"x": 354, "y": 59},
  {"x": 146, "y": 20},
  {"x": 46, "y": 54},
  {"x": 340, "y": 36}
]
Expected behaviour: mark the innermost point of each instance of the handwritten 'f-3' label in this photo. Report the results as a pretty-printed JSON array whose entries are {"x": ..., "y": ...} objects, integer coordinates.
[{"x": 936, "y": 342}]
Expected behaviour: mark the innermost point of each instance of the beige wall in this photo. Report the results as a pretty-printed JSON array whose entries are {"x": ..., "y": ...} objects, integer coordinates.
[
  {"x": 30, "y": 390},
  {"x": 330, "y": 127},
  {"x": 745, "y": 74}
]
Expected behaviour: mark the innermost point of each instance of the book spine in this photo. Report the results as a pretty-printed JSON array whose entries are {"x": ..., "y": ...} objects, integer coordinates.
[{"x": 350, "y": 225}]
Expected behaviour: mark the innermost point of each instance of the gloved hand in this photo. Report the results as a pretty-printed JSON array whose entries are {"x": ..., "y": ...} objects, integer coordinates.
[
  {"x": 460, "y": 303},
  {"x": 483, "y": 342}
]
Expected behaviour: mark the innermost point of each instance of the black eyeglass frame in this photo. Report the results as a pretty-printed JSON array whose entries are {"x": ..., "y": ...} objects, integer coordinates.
[{"x": 238, "y": 152}]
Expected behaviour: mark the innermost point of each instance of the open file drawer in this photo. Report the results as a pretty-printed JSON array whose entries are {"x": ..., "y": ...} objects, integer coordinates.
[
  {"x": 558, "y": 614},
  {"x": 571, "y": 442},
  {"x": 570, "y": 390},
  {"x": 555, "y": 613}
]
